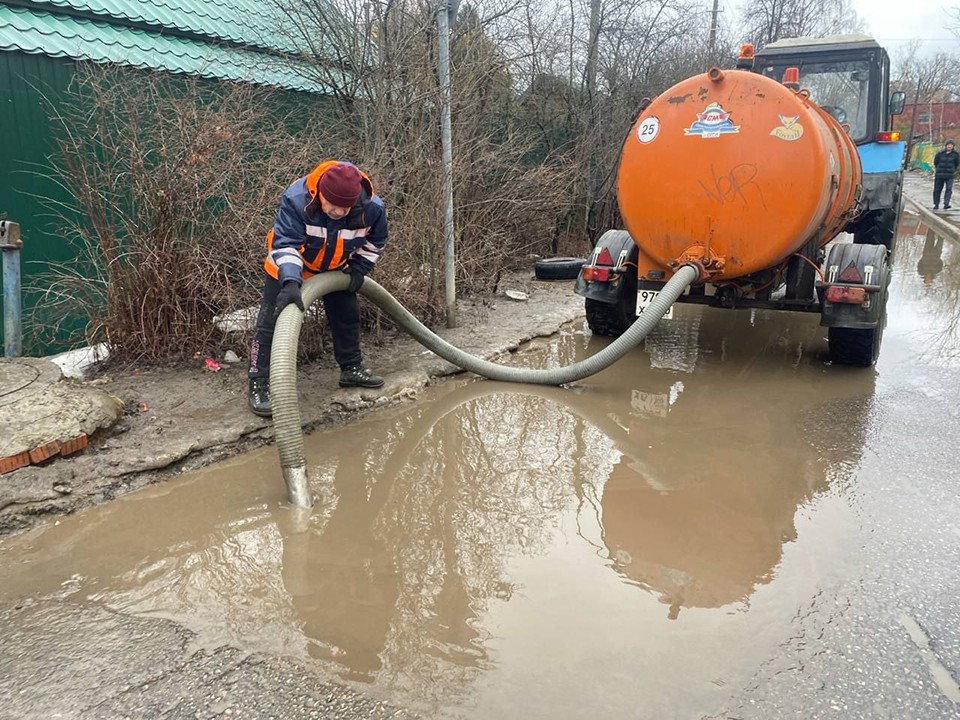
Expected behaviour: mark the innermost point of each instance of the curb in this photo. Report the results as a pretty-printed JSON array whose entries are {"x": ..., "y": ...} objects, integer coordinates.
[{"x": 945, "y": 228}]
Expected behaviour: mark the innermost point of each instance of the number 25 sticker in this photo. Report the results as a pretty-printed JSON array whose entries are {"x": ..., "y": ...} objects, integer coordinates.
[{"x": 648, "y": 130}]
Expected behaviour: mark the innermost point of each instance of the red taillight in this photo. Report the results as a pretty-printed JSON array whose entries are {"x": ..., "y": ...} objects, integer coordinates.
[
  {"x": 596, "y": 273},
  {"x": 887, "y": 137},
  {"x": 604, "y": 258},
  {"x": 854, "y": 295}
]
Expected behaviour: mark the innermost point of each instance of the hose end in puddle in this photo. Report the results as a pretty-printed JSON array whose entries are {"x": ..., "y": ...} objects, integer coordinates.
[{"x": 298, "y": 490}]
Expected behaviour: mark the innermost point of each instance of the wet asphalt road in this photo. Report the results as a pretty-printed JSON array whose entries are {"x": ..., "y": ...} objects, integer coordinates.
[{"x": 721, "y": 526}]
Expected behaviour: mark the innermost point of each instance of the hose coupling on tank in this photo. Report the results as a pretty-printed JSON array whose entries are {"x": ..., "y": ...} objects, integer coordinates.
[
  {"x": 715, "y": 74},
  {"x": 706, "y": 262}
]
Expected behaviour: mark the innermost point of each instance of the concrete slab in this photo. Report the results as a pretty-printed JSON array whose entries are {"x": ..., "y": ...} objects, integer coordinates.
[{"x": 43, "y": 415}]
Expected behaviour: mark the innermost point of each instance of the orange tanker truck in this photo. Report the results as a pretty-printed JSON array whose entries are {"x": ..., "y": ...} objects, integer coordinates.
[{"x": 750, "y": 174}]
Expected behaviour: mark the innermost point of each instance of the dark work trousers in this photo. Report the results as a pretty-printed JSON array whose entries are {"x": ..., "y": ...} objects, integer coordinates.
[
  {"x": 942, "y": 183},
  {"x": 343, "y": 316}
]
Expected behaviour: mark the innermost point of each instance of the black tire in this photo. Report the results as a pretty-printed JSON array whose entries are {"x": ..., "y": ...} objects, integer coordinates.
[
  {"x": 859, "y": 347},
  {"x": 877, "y": 227},
  {"x": 613, "y": 319},
  {"x": 853, "y": 346},
  {"x": 560, "y": 268}
]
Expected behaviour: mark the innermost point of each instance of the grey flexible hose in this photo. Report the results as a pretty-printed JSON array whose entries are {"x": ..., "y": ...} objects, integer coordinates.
[{"x": 283, "y": 362}]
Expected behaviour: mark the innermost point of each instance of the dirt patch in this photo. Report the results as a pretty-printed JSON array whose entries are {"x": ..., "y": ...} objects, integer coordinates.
[{"x": 178, "y": 419}]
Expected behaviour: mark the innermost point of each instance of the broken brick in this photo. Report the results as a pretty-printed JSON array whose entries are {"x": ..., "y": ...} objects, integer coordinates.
[
  {"x": 45, "y": 451},
  {"x": 73, "y": 445},
  {"x": 14, "y": 462}
]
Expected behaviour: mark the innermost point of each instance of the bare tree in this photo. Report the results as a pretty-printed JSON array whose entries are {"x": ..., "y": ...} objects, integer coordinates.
[
  {"x": 925, "y": 79},
  {"x": 766, "y": 21}
]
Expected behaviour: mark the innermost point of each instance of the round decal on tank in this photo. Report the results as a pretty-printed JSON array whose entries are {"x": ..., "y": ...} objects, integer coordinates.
[{"x": 648, "y": 130}]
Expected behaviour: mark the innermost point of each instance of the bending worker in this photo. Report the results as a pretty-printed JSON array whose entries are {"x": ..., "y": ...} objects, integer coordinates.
[{"x": 328, "y": 221}]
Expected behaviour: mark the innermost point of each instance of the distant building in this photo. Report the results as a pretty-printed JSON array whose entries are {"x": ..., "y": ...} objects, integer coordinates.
[{"x": 935, "y": 122}]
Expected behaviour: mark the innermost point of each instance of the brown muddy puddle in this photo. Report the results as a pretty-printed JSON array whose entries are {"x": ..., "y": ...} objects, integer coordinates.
[{"x": 634, "y": 546}]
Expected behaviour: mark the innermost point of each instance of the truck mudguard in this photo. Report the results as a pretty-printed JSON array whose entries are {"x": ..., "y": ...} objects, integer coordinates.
[
  {"x": 617, "y": 242},
  {"x": 871, "y": 262}
]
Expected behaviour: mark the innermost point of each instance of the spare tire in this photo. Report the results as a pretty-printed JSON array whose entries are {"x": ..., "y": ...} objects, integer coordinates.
[{"x": 559, "y": 268}]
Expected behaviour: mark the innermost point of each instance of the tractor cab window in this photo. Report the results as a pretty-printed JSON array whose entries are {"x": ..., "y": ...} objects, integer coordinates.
[{"x": 840, "y": 88}]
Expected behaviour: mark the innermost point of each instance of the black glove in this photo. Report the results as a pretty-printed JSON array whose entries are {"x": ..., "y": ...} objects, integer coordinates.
[
  {"x": 356, "y": 279},
  {"x": 289, "y": 293}
]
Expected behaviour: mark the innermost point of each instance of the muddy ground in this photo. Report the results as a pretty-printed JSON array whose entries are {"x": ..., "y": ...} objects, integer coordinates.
[{"x": 179, "y": 419}]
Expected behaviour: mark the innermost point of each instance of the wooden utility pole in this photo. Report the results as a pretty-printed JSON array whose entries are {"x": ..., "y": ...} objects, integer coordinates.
[{"x": 713, "y": 29}]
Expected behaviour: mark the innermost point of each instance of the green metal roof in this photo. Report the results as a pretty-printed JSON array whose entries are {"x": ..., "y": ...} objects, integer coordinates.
[
  {"x": 56, "y": 35},
  {"x": 245, "y": 22}
]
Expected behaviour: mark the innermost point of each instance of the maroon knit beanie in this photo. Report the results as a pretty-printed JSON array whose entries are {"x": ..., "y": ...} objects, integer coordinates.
[{"x": 340, "y": 185}]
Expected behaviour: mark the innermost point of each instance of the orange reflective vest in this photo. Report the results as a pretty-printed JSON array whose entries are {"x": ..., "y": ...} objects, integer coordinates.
[{"x": 304, "y": 240}]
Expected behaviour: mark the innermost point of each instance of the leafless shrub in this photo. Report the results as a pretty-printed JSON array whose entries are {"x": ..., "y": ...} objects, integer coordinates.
[{"x": 174, "y": 181}]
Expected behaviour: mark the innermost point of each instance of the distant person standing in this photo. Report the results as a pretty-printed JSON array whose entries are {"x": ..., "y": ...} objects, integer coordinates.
[{"x": 945, "y": 164}]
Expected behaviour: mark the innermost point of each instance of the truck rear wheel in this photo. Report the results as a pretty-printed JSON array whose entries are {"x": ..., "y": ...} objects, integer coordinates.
[
  {"x": 859, "y": 347},
  {"x": 613, "y": 319},
  {"x": 854, "y": 346},
  {"x": 606, "y": 319}
]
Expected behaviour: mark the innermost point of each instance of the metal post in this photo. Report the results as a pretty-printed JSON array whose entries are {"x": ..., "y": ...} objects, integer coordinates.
[
  {"x": 10, "y": 245},
  {"x": 446, "y": 150},
  {"x": 913, "y": 121}
]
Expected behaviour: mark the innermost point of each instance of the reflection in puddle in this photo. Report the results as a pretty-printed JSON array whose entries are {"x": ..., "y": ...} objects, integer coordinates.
[
  {"x": 510, "y": 551},
  {"x": 930, "y": 308},
  {"x": 931, "y": 258}
]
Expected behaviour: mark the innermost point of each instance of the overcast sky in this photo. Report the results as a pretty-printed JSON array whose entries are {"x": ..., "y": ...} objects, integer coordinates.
[{"x": 893, "y": 22}]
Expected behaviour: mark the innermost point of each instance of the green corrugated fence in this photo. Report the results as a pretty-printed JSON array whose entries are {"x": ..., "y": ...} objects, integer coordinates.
[{"x": 921, "y": 155}]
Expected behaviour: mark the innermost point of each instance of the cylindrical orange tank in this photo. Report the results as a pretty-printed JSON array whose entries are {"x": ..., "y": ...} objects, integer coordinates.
[{"x": 736, "y": 170}]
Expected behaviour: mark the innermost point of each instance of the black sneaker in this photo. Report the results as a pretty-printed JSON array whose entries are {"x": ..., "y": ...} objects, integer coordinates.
[
  {"x": 359, "y": 376},
  {"x": 936, "y": 207},
  {"x": 946, "y": 207},
  {"x": 259, "y": 397}
]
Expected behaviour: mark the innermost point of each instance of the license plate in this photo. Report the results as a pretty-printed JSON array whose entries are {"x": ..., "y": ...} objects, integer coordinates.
[{"x": 646, "y": 297}]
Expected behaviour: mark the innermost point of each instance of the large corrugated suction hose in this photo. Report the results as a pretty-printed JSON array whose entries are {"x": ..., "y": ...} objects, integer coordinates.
[{"x": 283, "y": 362}]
